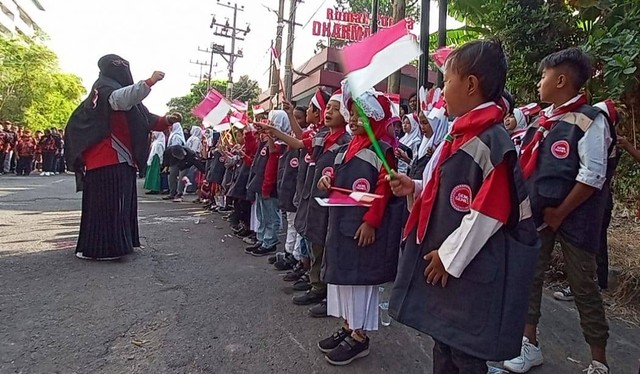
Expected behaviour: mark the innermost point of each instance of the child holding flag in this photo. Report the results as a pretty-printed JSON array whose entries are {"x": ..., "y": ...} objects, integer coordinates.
[
  {"x": 361, "y": 249},
  {"x": 464, "y": 275}
]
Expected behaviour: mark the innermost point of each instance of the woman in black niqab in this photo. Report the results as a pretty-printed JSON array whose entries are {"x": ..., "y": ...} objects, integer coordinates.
[{"x": 106, "y": 143}]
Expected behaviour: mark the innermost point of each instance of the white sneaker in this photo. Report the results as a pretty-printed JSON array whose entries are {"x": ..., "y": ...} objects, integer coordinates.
[
  {"x": 597, "y": 368},
  {"x": 82, "y": 257},
  {"x": 43, "y": 173},
  {"x": 530, "y": 356}
]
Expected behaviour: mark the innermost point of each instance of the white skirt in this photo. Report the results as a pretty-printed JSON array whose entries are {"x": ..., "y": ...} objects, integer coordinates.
[{"x": 358, "y": 305}]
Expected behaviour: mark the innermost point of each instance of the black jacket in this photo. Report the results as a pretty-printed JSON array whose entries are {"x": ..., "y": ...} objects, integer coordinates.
[{"x": 191, "y": 159}]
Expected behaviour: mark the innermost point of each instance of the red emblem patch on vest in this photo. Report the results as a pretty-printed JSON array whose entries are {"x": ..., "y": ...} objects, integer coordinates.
[
  {"x": 361, "y": 185},
  {"x": 327, "y": 171},
  {"x": 263, "y": 152},
  {"x": 460, "y": 198},
  {"x": 560, "y": 149},
  {"x": 308, "y": 159},
  {"x": 294, "y": 162}
]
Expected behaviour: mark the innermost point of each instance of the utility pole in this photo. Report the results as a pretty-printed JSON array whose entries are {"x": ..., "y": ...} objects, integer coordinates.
[
  {"x": 275, "y": 77},
  {"x": 399, "y": 13},
  {"x": 374, "y": 16},
  {"x": 232, "y": 32},
  {"x": 423, "y": 65},
  {"x": 442, "y": 33},
  {"x": 288, "y": 68},
  {"x": 210, "y": 64}
]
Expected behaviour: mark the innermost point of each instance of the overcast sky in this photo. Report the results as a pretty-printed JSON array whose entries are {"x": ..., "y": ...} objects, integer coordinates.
[{"x": 165, "y": 35}]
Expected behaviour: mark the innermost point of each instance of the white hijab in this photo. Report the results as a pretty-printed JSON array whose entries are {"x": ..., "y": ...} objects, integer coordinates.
[
  {"x": 521, "y": 120},
  {"x": 280, "y": 120},
  {"x": 157, "y": 147},
  {"x": 412, "y": 138},
  {"x": 176, "y": 137},
  {"x": 194, "y": 142},
  {"x": 439, "y": 126}
]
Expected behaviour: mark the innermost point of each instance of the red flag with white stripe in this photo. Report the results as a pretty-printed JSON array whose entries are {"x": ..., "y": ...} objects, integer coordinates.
[
  {"x": 376, "y": 57},
  {"x": 212, "y": 109}
]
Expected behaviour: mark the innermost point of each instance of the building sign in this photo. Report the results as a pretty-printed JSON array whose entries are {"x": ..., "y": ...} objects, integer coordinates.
[{"x": 350, "y": 26}]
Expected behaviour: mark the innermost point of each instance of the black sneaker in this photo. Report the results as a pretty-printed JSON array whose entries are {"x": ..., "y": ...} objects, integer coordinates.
[
  {"x": 237, "y": 228},
  {"x": 347, "y": 351},
  {"x": 251, "y": 239},
  {"x": 262, "y": 251},
  {"x": 225, "y": 209},
  {"x": 244, "y": 233},
  {"x": 302, "y": 284},
  {"x": 249, "y": 250},
  {"x": 272, "y": 260},
  {"x": 287, "y": 263},
  {"x": 309, "y": 298},
  {"x": 329, "y": 344},
  {"x": 294, "y": 275},
  {"x": 319, "y": 310},
  {"x": 168, "y": 197}
]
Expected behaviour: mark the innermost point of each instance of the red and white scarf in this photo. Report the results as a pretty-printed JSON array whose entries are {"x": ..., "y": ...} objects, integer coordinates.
[
  {"x": 529, "y": 156},
  {"x": 463, "y": 130}
]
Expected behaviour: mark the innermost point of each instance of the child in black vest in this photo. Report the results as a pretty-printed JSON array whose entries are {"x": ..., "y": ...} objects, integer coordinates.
[
  {"x": 471, "y": 245},
  {"x": 321, "y": 147},
  {"x": 361, "y": 249},
  {"x": 564, "y": 161}
]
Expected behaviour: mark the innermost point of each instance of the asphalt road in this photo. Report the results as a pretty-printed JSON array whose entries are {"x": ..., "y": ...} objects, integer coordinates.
[{"x": 191, "y": 301}]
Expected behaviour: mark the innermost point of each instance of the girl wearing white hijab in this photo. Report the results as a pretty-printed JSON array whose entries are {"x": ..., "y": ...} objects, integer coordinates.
[
  {"x": 154, "y": 162},
  {"x": 176, "y": 137},
  {"x": 195, "y": 140},
  {"x": 409, "y": 142}
]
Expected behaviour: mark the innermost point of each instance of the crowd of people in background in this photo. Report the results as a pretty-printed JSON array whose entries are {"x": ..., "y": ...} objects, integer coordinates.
[{"x": 23, "y": 152}]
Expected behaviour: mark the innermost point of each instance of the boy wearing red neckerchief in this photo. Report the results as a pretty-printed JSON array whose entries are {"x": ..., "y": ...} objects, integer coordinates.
[
  {"x": 565, "y": 166},
  {"x": 465, "y": 272}
]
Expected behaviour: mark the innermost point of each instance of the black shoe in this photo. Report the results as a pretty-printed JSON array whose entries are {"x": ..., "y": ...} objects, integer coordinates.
[
  {"x": 309, "y": 298},
  {"x": 152, "y": 193},
  {"x": 287, "y": 263},
  {"x": 347, "y": 351},
  {"x": 213, "y": 208},
  {"x": 329, "y": 344},
  {"x": 272, "y": 260},
  {"x": 244, "y": 233},
  {"x": 302, "y": 284},
  {"x": 294, "y": 275},
  {"x": 165, "y": 192},
  {"x": 319, "y": 310},
  {"x": 249, "y": 250},
  {"x": 262, "y": 251},
  {"x": 168, "y": 197},
  {"x": 225, "y": 209},
  {"x": 237, "y": 228}
]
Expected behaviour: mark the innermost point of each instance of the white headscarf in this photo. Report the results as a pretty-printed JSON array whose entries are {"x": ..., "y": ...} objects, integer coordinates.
[
  {"x": 176, "y": 137},
  {"x": 157, "y": 147},
  {"x": 280, "y": 120},
  {"x": 194, "y": 142},
  {"x": 412, "y": 138},
  {"x": 439, "y": 126},
  {"x": 521, "y": 120}
]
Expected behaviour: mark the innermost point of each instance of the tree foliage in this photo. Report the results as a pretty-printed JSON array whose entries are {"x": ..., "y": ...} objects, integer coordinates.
[
  {"x": 245, "y": 90},
  {"x": 33, "y": 90}
]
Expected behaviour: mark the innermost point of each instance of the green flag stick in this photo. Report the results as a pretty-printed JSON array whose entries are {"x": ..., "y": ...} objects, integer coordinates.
[{"x": 374, "y": 141}]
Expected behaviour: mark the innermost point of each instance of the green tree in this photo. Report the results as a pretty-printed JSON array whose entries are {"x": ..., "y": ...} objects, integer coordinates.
[{"x": 33, "y": 91}]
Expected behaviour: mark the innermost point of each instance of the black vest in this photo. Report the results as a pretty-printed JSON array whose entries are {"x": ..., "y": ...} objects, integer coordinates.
[
  {"x": 416, "y": 169},
  {"x": 258, "y": 168},
  {"x": 483, "y": 312},
  {"x": 238, "y": 189},
  {"x": 287, "y": 177},
  {"x": 345, "y": 263},
  {"x": 305, "y": 175},
  {"x": 555, "y": 176},
  {"x": 317, "y": 216},
  {"x": 217, "y": 169}
]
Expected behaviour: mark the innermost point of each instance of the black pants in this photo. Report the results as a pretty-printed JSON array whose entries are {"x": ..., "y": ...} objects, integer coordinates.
[
  {"x": 602, "y": 257},
  {"x": 24, "y": 165},
  {"x": 243, "y": 207},
  {"x": 48, "y": 162},
  {"x": 448, "y": 360}
]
